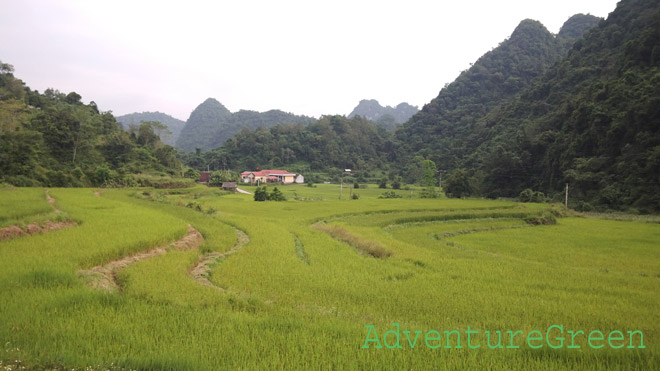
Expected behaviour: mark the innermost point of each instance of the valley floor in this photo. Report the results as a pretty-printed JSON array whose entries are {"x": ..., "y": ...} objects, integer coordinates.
[{"x": 316, "y": 282}]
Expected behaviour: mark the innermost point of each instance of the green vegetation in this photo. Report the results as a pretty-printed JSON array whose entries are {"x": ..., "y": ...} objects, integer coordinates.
[
  {"x": 211, "y": 124},
  {"x": 22, "y": 205},
  {"x": 53, "y": 139},
  {"x": 172, "y": 126},
  {"x": 589, "y": 119},
  {"x": 261, "y": 194},
  {"x": 313, "y": 274},
  {"x": 329, "y": 144}
]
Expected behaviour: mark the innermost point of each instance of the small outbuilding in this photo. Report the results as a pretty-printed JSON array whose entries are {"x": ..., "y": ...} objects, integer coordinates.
[
  {"x": 299, "y": 179},
  {"x": 204, "y": 177},
  {"x": 229, "y": 186}
]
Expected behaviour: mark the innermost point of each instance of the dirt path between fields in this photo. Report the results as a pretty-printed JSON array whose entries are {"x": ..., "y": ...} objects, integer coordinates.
[
  {"x": 104, "y": 277},
  {"x": 201, "y": 272},
  {"x": 243, "y": 191},
  {"x": 14, "y": 231},
  {"x": 32, "y": 229}
]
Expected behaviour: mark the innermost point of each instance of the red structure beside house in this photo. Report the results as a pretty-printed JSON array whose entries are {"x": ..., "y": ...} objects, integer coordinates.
[{"x": 204, "y": 177}]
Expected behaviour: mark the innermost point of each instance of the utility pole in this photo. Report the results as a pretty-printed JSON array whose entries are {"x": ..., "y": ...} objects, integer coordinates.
[
  {"x": 440, "y": 172},
  {"x": 341, "y": 185},
  {"x": 341, "y": 182},
  {"x": 566, "y": 199}
]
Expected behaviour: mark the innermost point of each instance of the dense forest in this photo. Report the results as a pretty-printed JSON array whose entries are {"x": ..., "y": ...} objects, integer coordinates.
[
  {"x": 211, "y": 124},
  {"x": 331, "y": 141},
  {"x": 443, "y": 129},
  {"x": 53, "y": 139},
  {"x": 387, "y": 117},
  {"x": 173, "y": 126},
  {"x": 592, "y": 120}
]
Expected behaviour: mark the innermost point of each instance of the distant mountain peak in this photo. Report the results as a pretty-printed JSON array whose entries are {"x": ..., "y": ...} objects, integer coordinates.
[
  {"x": 577, "y": 25},
  {"x": 211, "y": 124},
  {"x": 212, "y": 105},
  {"x": 372, "y": 110}
]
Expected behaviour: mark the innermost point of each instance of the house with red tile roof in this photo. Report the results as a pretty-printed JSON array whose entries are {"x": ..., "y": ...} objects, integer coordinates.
[{"x": 271, "y": 176}]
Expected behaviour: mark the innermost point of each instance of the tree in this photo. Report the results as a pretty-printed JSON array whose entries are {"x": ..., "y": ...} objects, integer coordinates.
[
  {"x": 276, "y": 195},
  {"x": 191, "y": 174},
  {"x": 459, "y": 184},
  {"x": 147, "y": 133},
  {"x": 6, "y": 68},
  {"x": 73, "y": 98},
  {"x": 261, "y": 194},
  {"x": 383, "y": 183},
  {"x": 428, "y": 173},
  {"x": 396, "y": 184}
]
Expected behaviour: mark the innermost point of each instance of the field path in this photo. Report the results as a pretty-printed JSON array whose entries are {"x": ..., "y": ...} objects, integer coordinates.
[
  {"x": 104, "y": 277},
  {"x": 243, "y": 191},
  {"x": 201, "y": 271}
]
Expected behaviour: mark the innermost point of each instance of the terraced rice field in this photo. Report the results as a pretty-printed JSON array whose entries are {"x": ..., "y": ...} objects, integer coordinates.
[{"x": 297, "y": 284}]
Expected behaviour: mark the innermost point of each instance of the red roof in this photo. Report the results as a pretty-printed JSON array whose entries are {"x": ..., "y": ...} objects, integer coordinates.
[{"x": 266, "y": 173}]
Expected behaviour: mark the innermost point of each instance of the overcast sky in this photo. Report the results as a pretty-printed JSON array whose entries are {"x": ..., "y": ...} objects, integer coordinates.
[{"x": 306, "y": 57}]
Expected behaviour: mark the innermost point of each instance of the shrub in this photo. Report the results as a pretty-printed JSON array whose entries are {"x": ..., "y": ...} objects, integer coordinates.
[
  {"x": 546, "y": 218},
  {"x": 191, "y": 174},
  {"x": 355, "y": 196},
  {"x": 396, "y": 184},
  {"x": 356, "y": 185},
  {"x": 529, "y": 195},
  {"x": 429, "y": 192},
  {"x": 382, "y": 183},
  {"x": 261, "y": 194},
  {"x": 276, "y": 195},
  {"x": 584, "y": 206},
  {"x": 526, "y": 195},
  {"x": 389, "y": 194}
]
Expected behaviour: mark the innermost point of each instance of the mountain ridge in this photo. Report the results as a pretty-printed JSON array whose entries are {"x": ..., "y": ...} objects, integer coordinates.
[
  {"x": 173, "y": 124},
  {"x": 211, "y": 124},
  {"x": 372, "y": 110}
]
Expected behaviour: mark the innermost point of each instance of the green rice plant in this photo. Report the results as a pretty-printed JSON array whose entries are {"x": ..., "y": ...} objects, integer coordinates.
[
  {"x": 22, "y": 205},
  {"x": 269, "y": 308}
]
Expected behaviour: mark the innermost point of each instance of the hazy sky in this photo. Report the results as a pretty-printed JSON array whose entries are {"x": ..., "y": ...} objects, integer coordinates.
[{"x": 306, "y": 57}]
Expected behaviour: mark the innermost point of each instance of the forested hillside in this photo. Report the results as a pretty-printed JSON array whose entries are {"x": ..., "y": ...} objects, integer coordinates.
[
  {"x": 53, "y": 139},
  {"x": 593, "y": 120},
  {"x": 168, "y": 136},
  {"x": 332, "y": 141},
  {"x": 443, "y": 129},
  {"x": 211, "y": 124}
]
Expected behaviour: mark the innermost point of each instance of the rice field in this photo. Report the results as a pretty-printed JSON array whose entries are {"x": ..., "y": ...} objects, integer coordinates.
[{"x": 300, "y": 284}]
